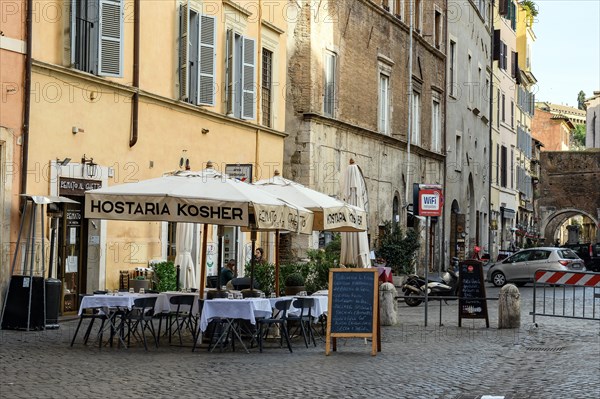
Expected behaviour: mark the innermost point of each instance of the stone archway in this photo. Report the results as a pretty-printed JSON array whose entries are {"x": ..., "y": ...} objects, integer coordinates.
[
  {"x": 554, "y": 220},
  {"x": 568, "y": 186}
]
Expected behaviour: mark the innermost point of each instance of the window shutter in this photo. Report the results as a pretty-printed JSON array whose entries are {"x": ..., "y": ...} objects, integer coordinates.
[
  {"x": 497, "y": 47},
  {"x": 503, "y": 7},
  {"x": 207, "y": 64},
  {"x": 248, "y": 80},
  {"x": 513, "y": 67},
  {"x": 110, "y": 58},
  {"x": 184, "y": 47},
  {"x": 504, "y": 56},
  {"x": 229, "y": 72}
]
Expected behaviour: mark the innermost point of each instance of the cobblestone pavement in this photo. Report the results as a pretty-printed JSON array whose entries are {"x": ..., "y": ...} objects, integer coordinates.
[{"x": 560, "y": 358}]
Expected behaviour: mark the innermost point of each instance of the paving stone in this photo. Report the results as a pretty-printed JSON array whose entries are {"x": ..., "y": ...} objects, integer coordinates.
[{"x": 416, "y": 361}]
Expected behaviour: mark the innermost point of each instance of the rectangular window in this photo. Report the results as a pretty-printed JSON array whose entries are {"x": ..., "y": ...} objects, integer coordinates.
[
  {"x": 399, "y": 9},
  {"x": 418, "y": 16},
  {"x": 512, "y": 114},
  {"x": 469, "y": 80},
  {"x": 459, "y": 153},
  {"x": 498, "y": 107},
  {"x": 329, "y": 83},
  {"x": 497, "y": 163},
  {"x": 240, "y": 76},
  {"x": 503, "y": 167},
  {"x": 452, "y": 72},
  {"x": 437, "y": 30},
  {"x": 197, "y": 57},
  {"x": 416, "y": 118},
  {"x": 267, "y": 82},
  {"x": 512, "y": 167},
  {"x": 485, "y": 99},
  {"x": 97, "y": 36},
  {"x": 436, "y": 129},
  {"x": 503, "y": 108},
  {"x": 384, "y": 103},
  {"x": 504, "y": 56}
]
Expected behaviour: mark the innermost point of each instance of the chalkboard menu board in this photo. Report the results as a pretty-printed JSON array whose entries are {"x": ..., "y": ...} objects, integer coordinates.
[
  {"x": 471, "y": 304},
  {"x": 353, "y": 304}
]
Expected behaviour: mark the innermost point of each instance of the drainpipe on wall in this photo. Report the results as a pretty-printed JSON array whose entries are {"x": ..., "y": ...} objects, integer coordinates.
[
  {"x": 491, "y": 145},
  {"x": 27, "y": 101},
  {"x": 408, "y": 135},
  {"x": 444, "y": 262},
  {"x": 136, "y": 74}
]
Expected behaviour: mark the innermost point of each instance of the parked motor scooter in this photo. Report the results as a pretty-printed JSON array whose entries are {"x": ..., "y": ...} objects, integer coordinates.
[{"x": 414, "y": 287}]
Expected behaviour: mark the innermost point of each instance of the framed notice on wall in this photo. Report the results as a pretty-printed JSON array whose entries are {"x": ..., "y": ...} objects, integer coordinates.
[{"x": 353, "y": 306}]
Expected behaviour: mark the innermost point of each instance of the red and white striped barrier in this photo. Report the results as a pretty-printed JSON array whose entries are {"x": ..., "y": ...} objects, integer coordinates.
[{"x": 567, "y": 278}]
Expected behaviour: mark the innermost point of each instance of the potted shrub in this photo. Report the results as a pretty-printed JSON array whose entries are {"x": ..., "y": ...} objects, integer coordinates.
[{"x": 294, "y": 283}]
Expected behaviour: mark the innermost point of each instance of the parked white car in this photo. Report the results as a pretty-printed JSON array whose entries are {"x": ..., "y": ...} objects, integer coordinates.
[{"x": 520, "y": 268}]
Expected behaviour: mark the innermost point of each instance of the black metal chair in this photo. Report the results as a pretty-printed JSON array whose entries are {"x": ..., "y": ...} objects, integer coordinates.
[
  {"x": 91, "y": 314},
  {"x": 140, "y": 317},
  {"x": 181, "y": 317},
  {"x": 198, "y": 331},
  {"x": 304, "y": 319},
  {"x": 280, "y": 320}
]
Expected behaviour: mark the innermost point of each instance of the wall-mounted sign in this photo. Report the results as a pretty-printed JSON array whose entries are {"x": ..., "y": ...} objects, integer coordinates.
[
  {"x": 238, "y": 171},
  {"x": 429, "y": 199},
  {"x": 71, "y": 186}
]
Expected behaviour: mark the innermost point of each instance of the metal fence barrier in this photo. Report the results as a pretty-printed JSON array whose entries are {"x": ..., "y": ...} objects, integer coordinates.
[{"x": 573, "y": 295}]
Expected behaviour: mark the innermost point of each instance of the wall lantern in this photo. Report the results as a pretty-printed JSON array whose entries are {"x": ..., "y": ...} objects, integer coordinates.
[{"x": 89, "y": 166}]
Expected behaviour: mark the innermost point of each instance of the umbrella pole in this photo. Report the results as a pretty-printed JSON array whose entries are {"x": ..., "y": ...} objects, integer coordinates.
[
  {"x": 220, "y": 233},
  {"x": 252, "y": 259},
  {"x": 203, "y": 259},
  {"x": 276, "y": 262}
]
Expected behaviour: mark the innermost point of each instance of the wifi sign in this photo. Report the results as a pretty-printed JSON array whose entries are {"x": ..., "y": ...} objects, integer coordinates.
[{"x": 430, "y": 202}]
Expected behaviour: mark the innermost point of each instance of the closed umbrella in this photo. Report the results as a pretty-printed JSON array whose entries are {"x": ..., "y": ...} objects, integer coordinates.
[
  {"x": 355, "y": 245},
  {"x": 184, "y": 240}
]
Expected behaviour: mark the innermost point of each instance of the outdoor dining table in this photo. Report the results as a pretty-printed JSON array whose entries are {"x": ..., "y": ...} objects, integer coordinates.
[
  {"x": 111, "y": 303},
  {"x": 231, "y": 310},
  {"x": 319, "y": 306}
]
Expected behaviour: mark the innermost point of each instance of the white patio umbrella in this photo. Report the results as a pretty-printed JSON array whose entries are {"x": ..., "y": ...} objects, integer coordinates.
[
  {"x": 184, "y": 240},
  {"x": 355, "y": 245},
  {"x": 206, "y": 196},
  {"x": 330, "y": 214}
]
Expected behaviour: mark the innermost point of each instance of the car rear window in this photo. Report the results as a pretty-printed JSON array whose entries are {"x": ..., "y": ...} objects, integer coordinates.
[
  {"x": 540, "y": 255},
  {"x": 567, "y": 254},
  {"x": 596, "y": 250}
]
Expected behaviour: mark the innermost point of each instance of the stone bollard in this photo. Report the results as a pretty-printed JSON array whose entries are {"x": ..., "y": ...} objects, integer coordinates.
[
  {"x": 509, "y": 307},
  {"x": 388, "y": 305}
]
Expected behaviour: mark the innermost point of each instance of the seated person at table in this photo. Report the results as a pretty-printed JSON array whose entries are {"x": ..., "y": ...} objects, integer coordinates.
[{"x": 228, "y": 272}]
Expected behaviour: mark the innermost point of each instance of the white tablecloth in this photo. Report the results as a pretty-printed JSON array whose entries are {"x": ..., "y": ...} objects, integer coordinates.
[
  {"x": 247, "y": 309},
  {"x": 319, "y": 307},
  {"x": 122, "y": 300}
]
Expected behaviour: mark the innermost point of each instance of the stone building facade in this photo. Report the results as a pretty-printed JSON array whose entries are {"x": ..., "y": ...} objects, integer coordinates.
[
  {"x": 348, "y": 97},
  {"x": 467, "y": 196},
  {"x": 592, "y": 137},
  {"x": 552, "y": 130}
]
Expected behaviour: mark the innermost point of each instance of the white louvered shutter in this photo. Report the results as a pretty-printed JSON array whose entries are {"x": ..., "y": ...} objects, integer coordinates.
[
  {"x": 229, "y": 73},
  {"x": 184, "y": 46},
  {"x": 207, "y": 61},
  {"x": 248, "y": 80},
  {"x": 110, "y": 56}
]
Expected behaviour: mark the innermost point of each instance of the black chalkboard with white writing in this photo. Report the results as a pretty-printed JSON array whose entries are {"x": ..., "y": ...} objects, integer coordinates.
[
  {"x": 472, "y": 303},
  {"x": 353, "y": 304}
]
